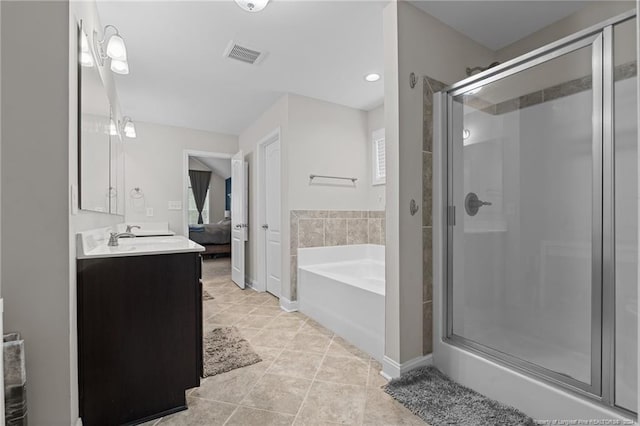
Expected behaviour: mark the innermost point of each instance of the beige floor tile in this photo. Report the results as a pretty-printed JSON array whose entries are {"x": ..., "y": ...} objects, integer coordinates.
[
  {"x": 331, "y": 402},
  {"x": 246, "y": 416},
  {"x": 241, "y": 309},
  {"x": 382, "y": 409},
  {"x": 296, "y": 364},
  {"x": 272, "y": 311},
  {"x": 225, "y": 318},
  {"x": 254, "y": 321},
  {"x": 213, "y": 307},
  {"x": 230, "y": 387},
  {"x": 248, "y": 333},
  {"x": 200, "y": 412},
  {"x": 312, "y": 327},
  {"x": 286, "y": 323},
  {"x": 375, "y": 379},
  {"x": 312, "y": 422},
  {"x": 345, "y": 370},
  {"x": 340, "y": 347},
  {"x": 230, "y": 298},
  {"x": 309, "y": 343},
  {"x": 272, "y": 338},
  {"x": 268, "y": 355},
  {"x": 277, "y": 393},
  {"x": 273, "y": 301}
]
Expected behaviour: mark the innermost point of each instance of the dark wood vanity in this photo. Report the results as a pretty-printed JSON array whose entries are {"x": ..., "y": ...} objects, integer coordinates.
[{"x": 139, "y": 336}]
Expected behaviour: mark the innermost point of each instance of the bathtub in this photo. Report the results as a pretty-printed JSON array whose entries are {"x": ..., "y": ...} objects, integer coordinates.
[{"x": 342, "y": 288}]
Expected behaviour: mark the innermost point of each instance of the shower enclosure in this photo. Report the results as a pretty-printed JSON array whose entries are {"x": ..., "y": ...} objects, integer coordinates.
[{"x": 540, "y": 225}]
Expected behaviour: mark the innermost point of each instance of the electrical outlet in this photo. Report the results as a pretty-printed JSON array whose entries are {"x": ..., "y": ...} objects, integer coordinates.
[
  {"x": 175, "y": 205},
  {"x": 149, "y": 211}
]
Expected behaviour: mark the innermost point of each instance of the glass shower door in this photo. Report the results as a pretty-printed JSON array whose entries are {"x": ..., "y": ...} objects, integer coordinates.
[{"x": 525, "y": 177}]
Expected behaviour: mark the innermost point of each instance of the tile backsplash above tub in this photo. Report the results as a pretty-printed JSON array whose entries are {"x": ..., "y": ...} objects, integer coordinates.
[{"x": 323, "y": 228}]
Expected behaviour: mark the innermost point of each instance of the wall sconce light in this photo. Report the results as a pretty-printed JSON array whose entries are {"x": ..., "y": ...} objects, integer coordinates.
[
  {"x": 86, "y": 58},
  {"x": 111, "y": 46},
  {"x": 252, "y": 5},
  {"x": 128, "y": 127}
]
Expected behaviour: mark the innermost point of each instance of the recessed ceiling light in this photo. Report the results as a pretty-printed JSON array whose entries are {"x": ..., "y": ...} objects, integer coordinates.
[
  {"x": 372, "y": 77},
  {"x": 252, "y": 5}
]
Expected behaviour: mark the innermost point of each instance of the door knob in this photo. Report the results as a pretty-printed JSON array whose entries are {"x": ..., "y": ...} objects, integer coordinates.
[
  {"x": 265, "y": 226},
  {"x": 472, "y": 203}
]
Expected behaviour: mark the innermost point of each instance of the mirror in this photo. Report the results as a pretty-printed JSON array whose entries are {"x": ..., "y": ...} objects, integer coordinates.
[
  {"x": 100, "y": 150},
  {"x": 116, "y": 185}
]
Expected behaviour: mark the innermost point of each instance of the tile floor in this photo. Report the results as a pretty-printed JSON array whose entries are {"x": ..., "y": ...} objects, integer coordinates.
[{"x": 308, "y": 375}]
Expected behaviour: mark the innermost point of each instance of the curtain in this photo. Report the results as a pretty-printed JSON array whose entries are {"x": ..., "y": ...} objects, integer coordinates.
[{"x": 199, "y": 185}]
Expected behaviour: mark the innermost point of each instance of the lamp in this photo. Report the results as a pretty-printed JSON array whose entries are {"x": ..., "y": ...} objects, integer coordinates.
[
  {"x": 128, "y": 127},
  {"x": 112, "y": 47},
  {"x": 252, "y": 5},
  {"x": 86, "y": 58}
]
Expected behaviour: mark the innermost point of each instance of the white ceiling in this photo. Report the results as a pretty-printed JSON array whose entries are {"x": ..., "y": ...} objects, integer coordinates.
[
  {"x": 316, "y": 48},
  {"x": 180, "y": 77},
  {"x": 219, "y": 166},
  {"x": 496, "y": 24}
]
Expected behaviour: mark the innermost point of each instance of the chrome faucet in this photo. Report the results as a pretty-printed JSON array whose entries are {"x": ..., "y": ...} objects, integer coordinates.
[
  {"x": 130, "y": 228},
  {"x": 113, "y": 238}
]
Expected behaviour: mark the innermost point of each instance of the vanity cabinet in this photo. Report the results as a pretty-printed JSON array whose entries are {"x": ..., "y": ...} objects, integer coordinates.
[{"x": 139, "y": 336}]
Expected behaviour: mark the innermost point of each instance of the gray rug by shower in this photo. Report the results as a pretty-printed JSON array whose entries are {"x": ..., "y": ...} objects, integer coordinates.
[
  {"x": 439, "y": 401},
  {"x": 206, "y": 295},
  {"x": 224, "y": 349}
]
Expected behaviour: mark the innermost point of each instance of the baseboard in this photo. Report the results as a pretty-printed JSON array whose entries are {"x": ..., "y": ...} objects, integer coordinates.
[
  {"x": 253, "y": 285},
  {"x": 288, "y": 305},
  {"x": 392, "y": 370}
]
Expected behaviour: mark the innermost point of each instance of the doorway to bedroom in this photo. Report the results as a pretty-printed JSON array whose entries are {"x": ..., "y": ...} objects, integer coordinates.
[{"x": 207, "y": 198}]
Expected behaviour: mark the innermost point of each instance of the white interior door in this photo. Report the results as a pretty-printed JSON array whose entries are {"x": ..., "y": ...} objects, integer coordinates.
[
  {"x": 239, "y": 216},
  {"x": 272, "y": 226}
]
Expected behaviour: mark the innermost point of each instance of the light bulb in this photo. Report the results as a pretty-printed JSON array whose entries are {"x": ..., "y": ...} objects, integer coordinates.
[
  {"x": 372, "y": 77},
  {"x": 119, "y": 67},
  {"x": 116, "y": 48},
  {"x": 130, "y": 129},
  {"x": 86, "y": 58},
  {"x": 252, "y": 5},
  {"x": 466, "y": 133}
]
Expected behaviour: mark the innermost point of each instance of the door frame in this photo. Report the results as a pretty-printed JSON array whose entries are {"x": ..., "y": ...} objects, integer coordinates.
[
  {"x": 185, "y": 180},
  {"x": 271, "y": 137},
  {"x": 603, "y": 273}
]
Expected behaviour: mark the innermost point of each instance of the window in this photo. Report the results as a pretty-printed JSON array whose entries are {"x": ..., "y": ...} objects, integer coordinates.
[
  {"x": 379, "y": 169},
  {"x": 193, "y": 211}
]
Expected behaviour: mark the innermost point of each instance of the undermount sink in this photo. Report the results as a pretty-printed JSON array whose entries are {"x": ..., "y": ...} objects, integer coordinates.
[{"x": 93, "y": 244}]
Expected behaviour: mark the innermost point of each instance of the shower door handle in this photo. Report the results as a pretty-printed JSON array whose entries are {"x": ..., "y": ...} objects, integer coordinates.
[{"x": 472, "y": 203}]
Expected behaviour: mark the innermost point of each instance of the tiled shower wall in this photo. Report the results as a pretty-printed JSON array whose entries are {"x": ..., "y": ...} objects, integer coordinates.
[
  {"x": 430, "y": 87},
  {"x": 322, "y": 228}
]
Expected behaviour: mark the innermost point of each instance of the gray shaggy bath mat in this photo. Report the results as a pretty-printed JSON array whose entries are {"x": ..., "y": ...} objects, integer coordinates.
[
  {"x": 439, "y": 401},
  {"x": 225, "y": 350}
]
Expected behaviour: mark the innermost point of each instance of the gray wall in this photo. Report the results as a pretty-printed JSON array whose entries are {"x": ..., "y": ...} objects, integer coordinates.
[{"x": 35, "y": 213}]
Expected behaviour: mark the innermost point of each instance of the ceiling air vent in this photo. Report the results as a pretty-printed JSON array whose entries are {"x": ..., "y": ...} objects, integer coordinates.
[{"x": 242, "y": 53}]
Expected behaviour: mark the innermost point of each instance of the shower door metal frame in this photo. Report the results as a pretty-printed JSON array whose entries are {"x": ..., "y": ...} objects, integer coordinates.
[{"x": 600, "y": 38}]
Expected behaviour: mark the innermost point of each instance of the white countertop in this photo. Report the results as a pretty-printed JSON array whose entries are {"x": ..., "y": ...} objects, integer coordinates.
[{"x": 90, "y": 247}]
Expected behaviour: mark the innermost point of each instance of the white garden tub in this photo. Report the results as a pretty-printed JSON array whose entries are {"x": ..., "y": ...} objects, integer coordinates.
[{"x": 342, "y": 288}]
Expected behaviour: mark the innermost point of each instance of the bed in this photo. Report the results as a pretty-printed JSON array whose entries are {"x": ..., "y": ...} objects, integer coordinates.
[{"x": 214, "y": 237}]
